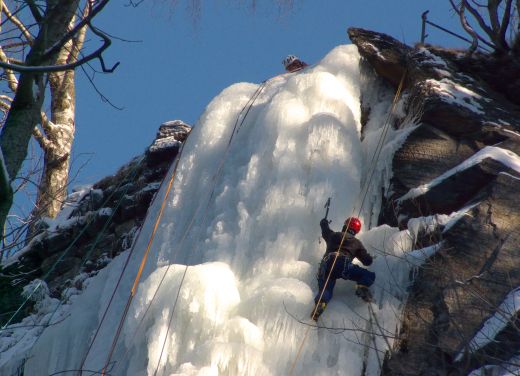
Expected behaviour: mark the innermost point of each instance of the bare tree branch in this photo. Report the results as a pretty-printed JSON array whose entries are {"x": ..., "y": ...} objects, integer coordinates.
[
  {"x": 93, "y": 11},
  {"x": 59, "y": 68},
  {"x": 506, "y": 19},
  {"x": 493, "y": 15},
  {"x": 478, "y": 17},
  {"x": 39, "y": 137},
  {"x": 494, "y": 32},
  {"x": 10, "y": 46},
  {"x": 466, "y": 26},
  {"x": 78, "y": 40},
  {"x": 12, "y": 81},
  {"x": 18, "y": 10},
  {"x": 6, "y": 98},
  {"x": 103, "y": 97},
  {"x": 17, "y": 23},
  {"x": 35, "y": 11}
]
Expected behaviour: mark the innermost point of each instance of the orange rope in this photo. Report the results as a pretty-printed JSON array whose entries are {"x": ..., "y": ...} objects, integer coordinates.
[
  {"x": 143, "y": 262},
  {"x": 156, "y": 226}
]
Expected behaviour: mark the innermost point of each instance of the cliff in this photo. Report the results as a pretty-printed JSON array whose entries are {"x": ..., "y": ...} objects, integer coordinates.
[
  {"x": 458, "y": 157},
  {"x": 96, "y": 224}
]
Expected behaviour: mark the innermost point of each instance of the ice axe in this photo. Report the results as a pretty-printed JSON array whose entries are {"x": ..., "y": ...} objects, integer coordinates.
[{"x": 327, "y": 206}]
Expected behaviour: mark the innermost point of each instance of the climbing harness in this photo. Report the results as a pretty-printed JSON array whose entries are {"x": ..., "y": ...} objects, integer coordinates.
[{"x": 364, "y": 192}]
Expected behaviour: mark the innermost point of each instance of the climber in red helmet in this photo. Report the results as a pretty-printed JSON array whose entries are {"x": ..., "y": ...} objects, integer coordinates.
[
  {"x": 293, "y": 63},
  {"x": 343, "y": 247}
]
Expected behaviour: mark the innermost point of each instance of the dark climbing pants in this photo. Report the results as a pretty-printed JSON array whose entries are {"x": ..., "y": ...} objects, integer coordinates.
[{"x": 343, "y": 268}]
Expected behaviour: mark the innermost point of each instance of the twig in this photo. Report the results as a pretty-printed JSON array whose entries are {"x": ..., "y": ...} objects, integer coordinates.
[
  {"x": 103, "y": 97},
  {"x": 331, "y": 328}
]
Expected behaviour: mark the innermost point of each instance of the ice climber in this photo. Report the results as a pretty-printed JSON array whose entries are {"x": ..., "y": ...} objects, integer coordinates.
[
  {"x": 293, "y": 63},
  {"x": 344, "y": 268}
]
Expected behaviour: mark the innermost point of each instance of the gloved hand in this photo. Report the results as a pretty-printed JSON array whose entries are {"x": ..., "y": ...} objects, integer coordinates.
[
  {"x": 324, "y": 222},
  {"x": 367, "y": 260}
]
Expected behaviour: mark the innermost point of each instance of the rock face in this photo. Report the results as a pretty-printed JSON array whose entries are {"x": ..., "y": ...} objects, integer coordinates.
[
  {"x": 464, "y": 119},
  {"x": 96, "y": 223}
]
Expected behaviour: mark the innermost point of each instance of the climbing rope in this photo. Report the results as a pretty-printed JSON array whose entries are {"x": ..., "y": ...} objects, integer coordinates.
[
  {"x": 373, "y": 165},
  {"x": 215, "y": 177},
  {"x": 123, "y": 270},
  {"x": 248, "y": 106},
  {"x": 129, "y": 175},
  {"x": 141, "y": 266},
  {"x": 382, "y": 138},
  {"x": 67, "y": 250},
  {"x": 100, "y": 233},
  {"x": 170, "y": 321}
]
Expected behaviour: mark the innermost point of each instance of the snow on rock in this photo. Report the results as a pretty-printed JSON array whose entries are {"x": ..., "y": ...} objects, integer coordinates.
[
  {"x": 506, "y": 157},
  {"x": 419, "y": 256},
  {"x": 507, "y": 309},
  {"x": 72, "y": 202},
  {"x": 453, "y": 93},
  {"x": 508, "y": 368},
  {"x": 169, "y": 138},
  {"x": 19, "y": 338},
  {"x": 375, "y": 50},
  {"x": 429, "y": 59},
  {"x": 164, "y": 143},
  {"x": 63, "y": 220},
  {"x": 511, "y": 132},
  {"x": 12, "y": 259},
  {"x": 431, "y": 223}
]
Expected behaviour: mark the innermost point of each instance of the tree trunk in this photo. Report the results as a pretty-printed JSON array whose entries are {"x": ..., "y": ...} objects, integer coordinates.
[
  {"x": 25, "y": 115},
  {"x": 59, "y": 133},
  {"x": 515, "y": 45}
]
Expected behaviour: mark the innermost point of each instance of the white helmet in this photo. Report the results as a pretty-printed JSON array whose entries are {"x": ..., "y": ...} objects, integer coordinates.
[{"x": 289, "y": 60}]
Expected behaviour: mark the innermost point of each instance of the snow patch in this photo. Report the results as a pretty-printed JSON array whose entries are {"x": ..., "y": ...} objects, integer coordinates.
[
  {"x": 512, "y": 132},
  {"x": 506, "y": 157},
  {"x": 164, "y": 143},
  {"x": 453, "y": 93},
  {"x": 431, "y": 58},
  {"x": 375, "y": 50},
  {"x": 492, "y": 326}
]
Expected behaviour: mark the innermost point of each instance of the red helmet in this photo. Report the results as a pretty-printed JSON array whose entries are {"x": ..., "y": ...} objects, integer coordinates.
[{"x": 353, "y": 225}]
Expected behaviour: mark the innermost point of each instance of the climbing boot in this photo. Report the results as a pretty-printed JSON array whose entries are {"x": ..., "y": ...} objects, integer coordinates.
[
  {"x": 364, "y": 293},
  {"x": 318, "y": 310}
]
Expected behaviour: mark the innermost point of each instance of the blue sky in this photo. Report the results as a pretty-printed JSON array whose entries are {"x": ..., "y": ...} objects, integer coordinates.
[{"x": 180, "y": 64}]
